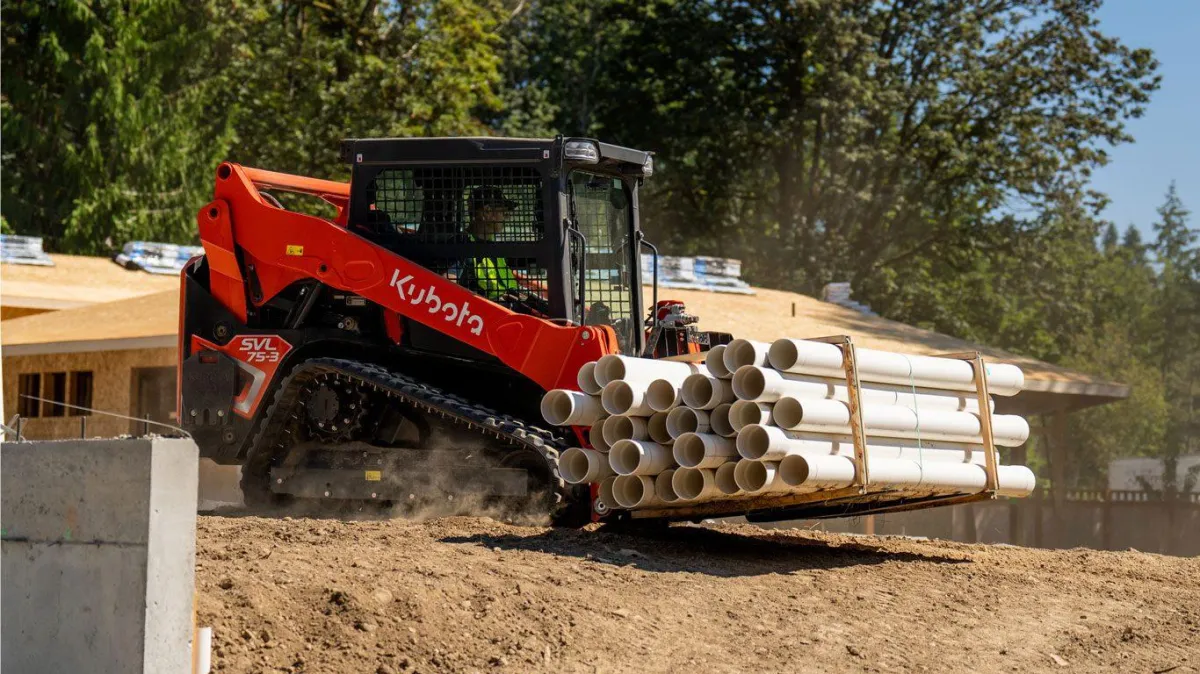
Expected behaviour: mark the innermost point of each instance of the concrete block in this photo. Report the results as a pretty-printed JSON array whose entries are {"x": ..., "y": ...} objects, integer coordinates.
[{"x": 98, "y": 555}]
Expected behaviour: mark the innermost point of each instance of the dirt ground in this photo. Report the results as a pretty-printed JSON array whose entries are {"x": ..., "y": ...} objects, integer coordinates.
[{"x": 474, "y": 595}]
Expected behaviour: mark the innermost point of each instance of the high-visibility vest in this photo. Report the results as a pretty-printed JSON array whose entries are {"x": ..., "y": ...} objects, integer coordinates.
[{"x": 494, "y": 277}]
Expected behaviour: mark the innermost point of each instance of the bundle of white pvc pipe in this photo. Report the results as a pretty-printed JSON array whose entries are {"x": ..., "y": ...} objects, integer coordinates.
[
  {"x": 758, "y": 384},
  {"x": 800, "y": 356},
  {"x": 578, "y": 465},
  {"x": 832, "y": 472},
  {"x": 894, "y": 421},
  {"x": 642, "y": 370},
  {"x": 561, "y": 407},
  {"x": 759, "y": 420},
  {"x": 758, "y": 442}
]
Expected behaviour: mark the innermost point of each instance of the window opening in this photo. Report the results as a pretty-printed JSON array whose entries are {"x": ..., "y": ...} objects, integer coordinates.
[
  {"x": 81, "y": 393},
  {"x": 603, "y": 213},
  {"x": 55, "y": 394},
  {"x": 30, "y": 386}
]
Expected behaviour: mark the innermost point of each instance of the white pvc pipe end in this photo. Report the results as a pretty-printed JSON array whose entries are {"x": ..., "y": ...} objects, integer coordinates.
[
  {"x": 560, "y": 407},
  {"x": 619, "y": 428},
  {"x": 686, "y": 420},
  {"x": 662, "y": 395},
  {"x": 741, "y": 352},
  {"x": 745, "y": 412},
  {"x": 596, "y": 437},
  {"x": 755, "y": 476},
  {"x": 718, "y": 420},
  {"x": 633, "y": 491},
  {"x": 606, "y": 494},
  {"x": 715, "y": 362},
  {"x": 577, "y": 465},
  {"x": 749, "y": 383},
  {"x": 753, "y": 441},
  {"x": 788, "y": 412},
  {"x": 725, "y": 480},
  {"x": 587, "y": 379},
  {"x": 634, "y": 457},
  {"x": 663, "y": 488},
  {"x": 691, "y": 484},
  {"x": 793, "y": 470},
  {"x": 656, "y": 427}
]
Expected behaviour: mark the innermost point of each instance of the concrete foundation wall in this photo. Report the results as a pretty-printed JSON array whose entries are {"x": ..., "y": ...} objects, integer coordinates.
[{"x": 98, "y": 555}]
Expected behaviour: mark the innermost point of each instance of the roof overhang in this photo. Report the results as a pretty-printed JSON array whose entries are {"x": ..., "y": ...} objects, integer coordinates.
[
  {"x": 47, "y": 303},
  {"x": 1092, "y": 389},
  {"x": 83, "y": 346}
]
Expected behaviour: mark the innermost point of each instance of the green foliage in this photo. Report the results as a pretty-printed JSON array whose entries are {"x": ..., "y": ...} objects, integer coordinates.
[
  {"x": 116, "y": 113},
  {"x": 298, "y": 77},
  {"x": 1177, "y": 315},
  {"x": 104, "y": 122},
  {"x": 937, "y": 155}
]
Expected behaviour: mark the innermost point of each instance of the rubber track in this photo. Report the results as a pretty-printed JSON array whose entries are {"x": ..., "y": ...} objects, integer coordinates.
[{"x": 450, "y": 408}]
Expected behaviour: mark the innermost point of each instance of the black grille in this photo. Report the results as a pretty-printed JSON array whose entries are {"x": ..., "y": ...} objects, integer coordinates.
[{"x": 450, "y": 204}]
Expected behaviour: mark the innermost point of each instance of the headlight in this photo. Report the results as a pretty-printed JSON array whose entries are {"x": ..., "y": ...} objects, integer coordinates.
[{"x": 582, "y": 150}]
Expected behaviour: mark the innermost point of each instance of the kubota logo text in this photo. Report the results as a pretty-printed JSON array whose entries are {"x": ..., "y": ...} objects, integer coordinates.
[{"x": 450, "y": 311}]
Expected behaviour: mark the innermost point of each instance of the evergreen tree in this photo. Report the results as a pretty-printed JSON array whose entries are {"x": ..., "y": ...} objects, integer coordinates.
[
  {"x": 1178, "y": 316},
  {"x": 105, "y": 121}
]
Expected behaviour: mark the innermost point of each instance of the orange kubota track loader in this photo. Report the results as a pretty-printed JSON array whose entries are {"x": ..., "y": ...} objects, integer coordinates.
[{"x": 397, "y": 348}]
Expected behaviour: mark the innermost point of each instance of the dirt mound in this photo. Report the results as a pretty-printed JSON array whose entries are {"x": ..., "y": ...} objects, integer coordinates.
[{"x": 473, "y": 595}]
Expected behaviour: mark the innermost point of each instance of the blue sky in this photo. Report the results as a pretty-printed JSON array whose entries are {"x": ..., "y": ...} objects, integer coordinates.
[{"x": 1167, "y": 136}]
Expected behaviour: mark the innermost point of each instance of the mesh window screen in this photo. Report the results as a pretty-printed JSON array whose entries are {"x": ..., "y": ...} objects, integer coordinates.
[
  {"x": 602, "y": 210},
  {"x": 458, "y": 203}
]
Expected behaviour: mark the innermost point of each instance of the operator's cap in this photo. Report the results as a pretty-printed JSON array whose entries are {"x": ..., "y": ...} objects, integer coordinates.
[{"x": 490, "y": 195}]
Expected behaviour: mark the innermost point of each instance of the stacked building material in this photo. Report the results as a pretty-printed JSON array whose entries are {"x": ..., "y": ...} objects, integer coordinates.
[
  {"x": 156, "y": 258},
  {"x": 757, "y": 421},
  {"x": 697, "y": 273},
  {"x": 840, "y": 294},
  {"x": 23, "y": 250}
]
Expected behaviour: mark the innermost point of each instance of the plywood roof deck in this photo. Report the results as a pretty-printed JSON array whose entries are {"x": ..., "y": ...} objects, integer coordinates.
[
  {"x": 137, "y": 323},
  {"x": 75, "y": 281},
  {"x": 152, "y": 320}
]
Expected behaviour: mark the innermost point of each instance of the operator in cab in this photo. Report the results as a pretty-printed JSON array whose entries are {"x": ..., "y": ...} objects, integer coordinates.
[{"x": 491, "y": 276}]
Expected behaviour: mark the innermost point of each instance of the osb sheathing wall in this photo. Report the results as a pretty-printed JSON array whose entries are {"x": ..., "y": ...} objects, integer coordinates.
[{"x": 112, "y": 381}]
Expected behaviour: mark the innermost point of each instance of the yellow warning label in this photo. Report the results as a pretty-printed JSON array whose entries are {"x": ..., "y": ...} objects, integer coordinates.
[
  {"x": 295, "y": 250},
  {"x": 373, "y": 475}
]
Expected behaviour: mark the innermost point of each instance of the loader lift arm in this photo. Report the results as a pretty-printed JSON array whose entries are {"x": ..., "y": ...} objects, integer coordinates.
[{"x": 256, "y": 249}]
